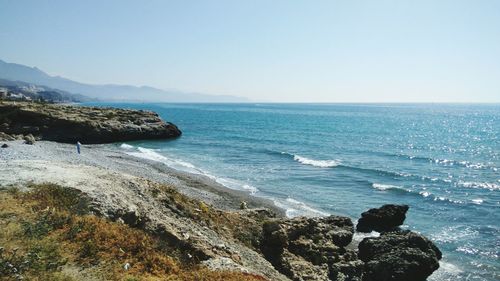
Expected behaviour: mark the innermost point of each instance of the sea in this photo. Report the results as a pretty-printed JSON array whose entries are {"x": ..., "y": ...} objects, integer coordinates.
[{"x": 443, "y": 160}]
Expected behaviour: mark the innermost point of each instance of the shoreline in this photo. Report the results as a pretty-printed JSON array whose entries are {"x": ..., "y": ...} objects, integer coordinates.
[
  {"x": 109, "y": 157},
  {"x": 138, "y": 192},
  {"x": 199, "y": 219}
]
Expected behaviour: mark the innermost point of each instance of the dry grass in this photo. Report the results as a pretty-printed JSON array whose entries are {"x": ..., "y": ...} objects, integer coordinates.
[
  {"x": 47, "y": 230},
  {"x": 246, "y": 229}
]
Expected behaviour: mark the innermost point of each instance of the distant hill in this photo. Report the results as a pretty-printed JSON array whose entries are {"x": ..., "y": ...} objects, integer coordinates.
[
  {"x": 23, "y": 90},
  {"x": 110, "y": 92}
]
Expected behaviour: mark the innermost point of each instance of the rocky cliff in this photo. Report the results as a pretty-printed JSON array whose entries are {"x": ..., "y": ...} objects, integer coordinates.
[{"x": 63, "y": 123}]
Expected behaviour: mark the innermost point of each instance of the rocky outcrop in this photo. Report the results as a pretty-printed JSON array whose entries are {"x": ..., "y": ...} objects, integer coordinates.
[
  {"x": 29, "y": 139},
  {"x": 311, "y": 248},
  {"x": 89, "y": 125},
  {"x": 7, "y": 137},
  {"x": 398, "y": 256},
  {"x": 321, "y": 249},
  {"x": 395, "y": 255},
  {"x": 385, "y": 218}
]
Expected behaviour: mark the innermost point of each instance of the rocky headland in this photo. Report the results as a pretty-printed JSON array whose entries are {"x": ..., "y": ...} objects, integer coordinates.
[
  {"x": 194, "y": 228},
  {"x": 91, "y": 125}
]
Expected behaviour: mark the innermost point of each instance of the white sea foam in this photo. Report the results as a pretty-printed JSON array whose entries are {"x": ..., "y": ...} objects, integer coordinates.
[
  {"x": 467, "y": 164},
  {"x": 250, "y": 188},
  {"x": 126, "y": 146},
  {"x": 478, "y": 201},
  {"x": 185, "y": 164},
  {"x": 442, "y": 198},
  {"x": 452, "y": 234},
  {"x": 444, "y": 162},
  {"x": 449, "y": 267},
  {"x": 316, "y": 163},
  {"x": 359, "y": 236},
  {"x": 446, "y": 272},
  {"x": 425, "y": 193},
  {"x": 235, "y": 184},
  {"x": 150, "y": 154},
  {"x": 294, "y": 208},
  {"x": 384, "y": 187},
  {"x": 484, "y": 185}
]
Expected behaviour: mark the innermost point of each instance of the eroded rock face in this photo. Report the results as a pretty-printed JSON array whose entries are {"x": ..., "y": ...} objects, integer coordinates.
[
  {"x": 385, "y": 218},
  {"x": 311, "y": 248},
  {"x": 398, "y": 256},
  {"x": 85, "y": 124},
  {"x": 29, "y": 139}
]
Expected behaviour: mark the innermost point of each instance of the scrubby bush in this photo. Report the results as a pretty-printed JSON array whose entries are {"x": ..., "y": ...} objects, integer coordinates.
[{"x": 49, "y": 227}]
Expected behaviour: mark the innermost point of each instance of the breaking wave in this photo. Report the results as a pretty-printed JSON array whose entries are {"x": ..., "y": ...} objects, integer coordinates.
[
  {"x": 380, "y": 186},
  {"x": 294, "y": 208},
  {"x": 151, "y": 154},
  {"x": 316, "y": 163},
  {"x": 312, "y": 162}
]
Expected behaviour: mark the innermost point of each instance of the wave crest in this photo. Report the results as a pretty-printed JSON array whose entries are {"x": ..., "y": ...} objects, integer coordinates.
[
  {"x": 316, "y": 163},
  {"x": 481, "y": 185},
  {"x": 380, "y": 186}
]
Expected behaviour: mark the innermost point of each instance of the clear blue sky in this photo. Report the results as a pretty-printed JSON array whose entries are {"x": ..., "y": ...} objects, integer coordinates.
[{"x": 294, "y": 51}]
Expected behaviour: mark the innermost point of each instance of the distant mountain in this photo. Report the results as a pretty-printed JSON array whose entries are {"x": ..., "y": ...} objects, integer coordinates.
[
  {"x": 32, "y": 91},
  {"x": 110, "y": 92}
]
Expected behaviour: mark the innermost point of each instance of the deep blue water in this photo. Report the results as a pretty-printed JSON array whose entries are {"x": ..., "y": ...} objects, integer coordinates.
[{"x": 442, "y": 160}]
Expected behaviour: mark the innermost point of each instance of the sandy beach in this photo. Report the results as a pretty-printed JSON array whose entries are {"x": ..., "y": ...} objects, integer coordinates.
[
  {"x": 99, "y": 166},
  {"x": 122, "y": 188}
]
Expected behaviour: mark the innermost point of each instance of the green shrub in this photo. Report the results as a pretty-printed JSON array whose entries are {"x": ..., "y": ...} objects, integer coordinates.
[{"x": 58, "y": 197}]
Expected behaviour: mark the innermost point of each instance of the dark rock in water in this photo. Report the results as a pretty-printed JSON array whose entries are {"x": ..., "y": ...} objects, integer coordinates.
[
  {"x": 5, "y": 145},
  {"x": 88, "y": 125},
  {"x": 310, "y": 248},
  {"x": 385, "y": 218},
  {"x": 398, "y": 256},
  {"x": 29, "y": 139},
  {"x": 316, "y": 249}
]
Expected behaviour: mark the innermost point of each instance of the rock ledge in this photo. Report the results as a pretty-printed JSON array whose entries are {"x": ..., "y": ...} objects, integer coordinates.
[{"x": 90, "y": 125}]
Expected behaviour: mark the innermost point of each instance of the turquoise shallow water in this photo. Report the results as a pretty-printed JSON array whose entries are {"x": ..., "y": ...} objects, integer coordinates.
[{"x": 442, "y": 160}]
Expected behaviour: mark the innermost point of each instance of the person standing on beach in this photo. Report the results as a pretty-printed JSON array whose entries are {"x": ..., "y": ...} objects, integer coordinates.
[{"x": 78, "y": 144}]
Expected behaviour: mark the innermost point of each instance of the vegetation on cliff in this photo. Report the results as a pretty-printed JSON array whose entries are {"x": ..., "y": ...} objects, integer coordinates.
[
  {"x": 56, "y": 233},
  {"x": 48, "y": 234}
]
